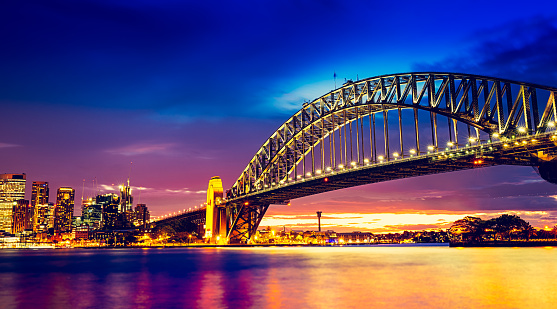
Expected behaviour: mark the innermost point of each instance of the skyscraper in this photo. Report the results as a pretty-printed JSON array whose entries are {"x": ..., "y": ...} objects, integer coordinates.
[
  {"x": 39, "y": 193},
  {"x": 22, "y": 216},
  {"x": 39, "y": 204},
  {"x": 12, "y": 188},
  {"x": 91, "y": 213},
  {"x": 63, "y": 212},
  {"x": 110, "y": 216},
  {"x": 126, "y": 205},
  {"x": 142, "y": 215}
]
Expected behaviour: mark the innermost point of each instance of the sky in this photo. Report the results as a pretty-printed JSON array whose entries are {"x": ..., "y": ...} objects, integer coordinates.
[{"x": 188, "y": 90}]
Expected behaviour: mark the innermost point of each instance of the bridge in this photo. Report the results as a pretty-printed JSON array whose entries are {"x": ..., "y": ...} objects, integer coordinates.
[{"x": 384, "y": 128}]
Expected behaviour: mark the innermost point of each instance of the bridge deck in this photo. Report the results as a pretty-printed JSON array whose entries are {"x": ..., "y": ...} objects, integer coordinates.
[{"x": 519, "y": 151}]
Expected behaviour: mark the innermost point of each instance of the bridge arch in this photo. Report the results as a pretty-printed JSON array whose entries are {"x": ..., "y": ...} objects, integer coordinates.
[{"x": 475, "y": 107}]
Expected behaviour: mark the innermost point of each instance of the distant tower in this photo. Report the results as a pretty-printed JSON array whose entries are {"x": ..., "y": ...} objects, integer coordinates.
[
  {"x": 319, "y": 219},
  {"x": 12, "y": 189},
  {"x": 39, "y": 204},
  {"x": 63, "y": 212}
]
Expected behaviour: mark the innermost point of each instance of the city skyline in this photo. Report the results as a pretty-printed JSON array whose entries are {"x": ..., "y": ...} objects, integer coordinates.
[{"x": 190, "y": 91}]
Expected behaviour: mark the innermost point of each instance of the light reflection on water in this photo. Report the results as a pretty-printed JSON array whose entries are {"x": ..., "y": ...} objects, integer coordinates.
[{"x": 314, "y": 277}]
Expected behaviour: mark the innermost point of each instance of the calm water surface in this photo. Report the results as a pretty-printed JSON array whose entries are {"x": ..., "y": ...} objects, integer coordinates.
[{"x": 339, "y": 277}]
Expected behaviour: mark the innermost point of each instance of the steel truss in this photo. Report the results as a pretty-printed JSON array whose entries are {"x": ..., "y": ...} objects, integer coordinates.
[{"x": 244, "y": 218}]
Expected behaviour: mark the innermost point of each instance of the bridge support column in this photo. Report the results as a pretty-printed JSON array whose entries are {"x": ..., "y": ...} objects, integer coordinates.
[
  {"x": 215, "y": 221},
  {"x": 244, "y": 220}
]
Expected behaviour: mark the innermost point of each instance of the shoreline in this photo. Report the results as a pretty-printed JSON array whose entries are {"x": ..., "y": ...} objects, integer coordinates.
[{"x": 505, "y": 244}]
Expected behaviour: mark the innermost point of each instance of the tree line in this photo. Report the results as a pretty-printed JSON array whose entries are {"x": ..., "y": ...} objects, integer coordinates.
[{"x": 503, "y": 228}]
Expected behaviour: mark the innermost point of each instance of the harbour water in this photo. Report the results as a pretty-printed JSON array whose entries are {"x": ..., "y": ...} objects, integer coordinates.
[{"x": 277, "y": 277}]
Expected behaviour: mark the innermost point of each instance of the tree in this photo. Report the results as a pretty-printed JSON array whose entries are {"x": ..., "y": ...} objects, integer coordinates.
[
  {"x": 466, "y": 229},
  {"x": 506, "y": 225}
]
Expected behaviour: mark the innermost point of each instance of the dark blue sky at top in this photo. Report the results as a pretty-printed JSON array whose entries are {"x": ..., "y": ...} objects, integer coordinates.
[{"x": 190, "y": 89}]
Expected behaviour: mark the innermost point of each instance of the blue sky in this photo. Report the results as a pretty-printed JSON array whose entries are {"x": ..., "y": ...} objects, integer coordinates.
[{"x": 188, "y": 90}]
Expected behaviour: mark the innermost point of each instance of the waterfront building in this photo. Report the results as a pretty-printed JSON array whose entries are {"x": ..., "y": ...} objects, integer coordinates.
[
  {"x": 142, "y": 215},
  {"x": 355, "y": 237},
  {"x": 39, "y": 204},
  {"x": 82, "y": 231},
  {"x": 12, "y": 188},
  {"x": 22, "y": 216},
  {"x": 63, "y": 212}
]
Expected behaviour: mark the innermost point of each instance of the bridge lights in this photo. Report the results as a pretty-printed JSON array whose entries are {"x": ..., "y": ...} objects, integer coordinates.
[
  {"x": 472, "y": 140},
  {"x": 329, "y": 168},
  {"x": 395, "y": 155},
  {"x": 308, "y": 174},
  {"x": 431, "y": 148},
  {"x": 325, "y": 179},
  {"x": 381, "y": 158},
  {"x": 366, "y": 161},
  {"x": 341, "y": 166},
  {"x": 318, "y": 172},
  {"x": 450, "y": 144},
  {"x": 299, "y": 176},
  {"x": 522, "y": 130},
  {"x": 246, "y": 203},
  {"x": 353, "y": 163},
  {"x": 412, "y": 151},
  {"x": 551, "y": 124},
  {"x": 495, "y": 135}
]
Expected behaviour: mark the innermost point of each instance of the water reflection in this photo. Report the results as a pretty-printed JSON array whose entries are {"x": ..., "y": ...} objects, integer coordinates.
[{"x": 347, "y": 277}]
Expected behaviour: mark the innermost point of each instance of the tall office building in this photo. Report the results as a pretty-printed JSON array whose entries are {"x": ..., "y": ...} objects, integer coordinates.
[
  {"x": 39, "y": 203},
  {"x": 63, "y": 212},
  {"x": 91, "y": 213},
  {"x": 126, "y": 205},
  {"x": 111, "y": 218},
  {"x": 39, "y": 193},
  {"x": 22, "y": 216},
  {"x": 142, "y": 215},
  {"x": 12, "y": 189}
]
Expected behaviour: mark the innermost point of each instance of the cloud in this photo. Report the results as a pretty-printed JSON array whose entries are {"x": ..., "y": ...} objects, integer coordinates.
[
  {"x": 521, "y": 50},
  {"x": 6, "y": 145},
  {"x": 144, "y": 149}
]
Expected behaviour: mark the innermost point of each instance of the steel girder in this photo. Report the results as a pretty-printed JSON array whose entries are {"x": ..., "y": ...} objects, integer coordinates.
[
  {"x": 484, "y": 103},
  {"x": 243, "y": 220}
]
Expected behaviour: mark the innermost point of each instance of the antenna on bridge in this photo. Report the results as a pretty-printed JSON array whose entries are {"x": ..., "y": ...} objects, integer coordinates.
[{"x": 335, "y": 78}]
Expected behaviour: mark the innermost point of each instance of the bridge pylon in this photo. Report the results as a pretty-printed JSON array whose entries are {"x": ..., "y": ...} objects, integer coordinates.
[{"x": 215, "y": 221}]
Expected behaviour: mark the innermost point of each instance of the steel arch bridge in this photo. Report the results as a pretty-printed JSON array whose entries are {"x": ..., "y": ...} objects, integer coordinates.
[{"x": 391, "y": 127}]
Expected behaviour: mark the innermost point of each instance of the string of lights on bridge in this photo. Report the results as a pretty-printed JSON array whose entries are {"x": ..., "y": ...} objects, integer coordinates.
[{"x": 449, "y": 151}]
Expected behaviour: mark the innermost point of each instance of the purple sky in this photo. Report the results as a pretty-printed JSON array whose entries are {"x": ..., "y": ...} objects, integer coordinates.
[{"x": 189, "y": 90}]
